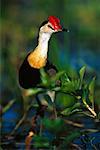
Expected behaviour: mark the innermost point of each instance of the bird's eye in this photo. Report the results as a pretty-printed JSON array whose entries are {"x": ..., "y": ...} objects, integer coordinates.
[{"x": 50, "y": 27}]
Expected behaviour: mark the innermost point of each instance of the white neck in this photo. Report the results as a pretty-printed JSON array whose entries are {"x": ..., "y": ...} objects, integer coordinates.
[
  {"x": 43, "y": 43},
  {"x": 38, "y": 57}
]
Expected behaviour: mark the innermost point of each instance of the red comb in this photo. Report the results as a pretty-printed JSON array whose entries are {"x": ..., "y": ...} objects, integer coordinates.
[{"x": 55, "y": 22}]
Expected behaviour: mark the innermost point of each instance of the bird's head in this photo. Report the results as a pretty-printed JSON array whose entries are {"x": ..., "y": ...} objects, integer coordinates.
[{"x": 52, "y": 25}]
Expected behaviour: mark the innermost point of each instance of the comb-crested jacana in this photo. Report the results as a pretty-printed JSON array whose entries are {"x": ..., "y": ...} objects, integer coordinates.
[{"x": 29, "y": 72}]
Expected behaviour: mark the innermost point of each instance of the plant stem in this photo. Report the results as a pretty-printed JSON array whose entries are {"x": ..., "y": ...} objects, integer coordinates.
[
  {"x": 40, "y": 127},
  {"x": 54, "y": 109},
  {"x": 89, "y": 108},
  {"x": 54, "y": 106},
  {"x": 93, "y": 105},
  {"x": 92, "y": 116},
  {"x": 20, "y": 121},
  {"x": 52, "y": 95},
  {"x": 54, "y": 147}
]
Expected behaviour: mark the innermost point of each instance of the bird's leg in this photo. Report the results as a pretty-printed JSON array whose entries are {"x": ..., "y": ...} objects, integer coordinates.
[
  {"x": 52, "y": 95},
  {"x": 40, "y": 112},
  {"x": 42, "y": 107},
  {"x": 38, "y": 101},
  {"x": 54, "y": 106}
]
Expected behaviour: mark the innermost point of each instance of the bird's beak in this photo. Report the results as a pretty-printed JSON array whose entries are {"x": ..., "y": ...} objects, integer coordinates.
[
  {"x": 65, "y": 30},
  {"x": 58, "y": 28}
]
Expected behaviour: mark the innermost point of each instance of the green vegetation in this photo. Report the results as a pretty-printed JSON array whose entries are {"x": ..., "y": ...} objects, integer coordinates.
[{"x": 77, "y": 97}]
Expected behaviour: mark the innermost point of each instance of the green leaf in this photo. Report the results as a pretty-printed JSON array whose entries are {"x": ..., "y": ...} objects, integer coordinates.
[
  {"x": 33, "y": 91},
  {"x": 48, "y": 81},
  {"x": 53, "y": 125},
  {"x": 71, "y": 137},
  {"x": 66, "y": 78},
  {"x": 40, "y": 142},
  {"x": 44, "y": 77},
  {"x": 71, "y": 110},
  {"x": 84, "y": 99},
  {"x": 81, "y": 73},
  {"x": 76, "y": 83},
  {"x": 91, "y": 90},
  {"x": 63, "y": 100},
  {"x": 58, "y": 75},
  {"x": 84, "y": 96},
  {"x": 70, "y": 86}
]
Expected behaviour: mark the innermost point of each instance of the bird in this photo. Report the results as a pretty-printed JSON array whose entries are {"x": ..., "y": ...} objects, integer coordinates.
[{"x": 29, "y": 71}]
